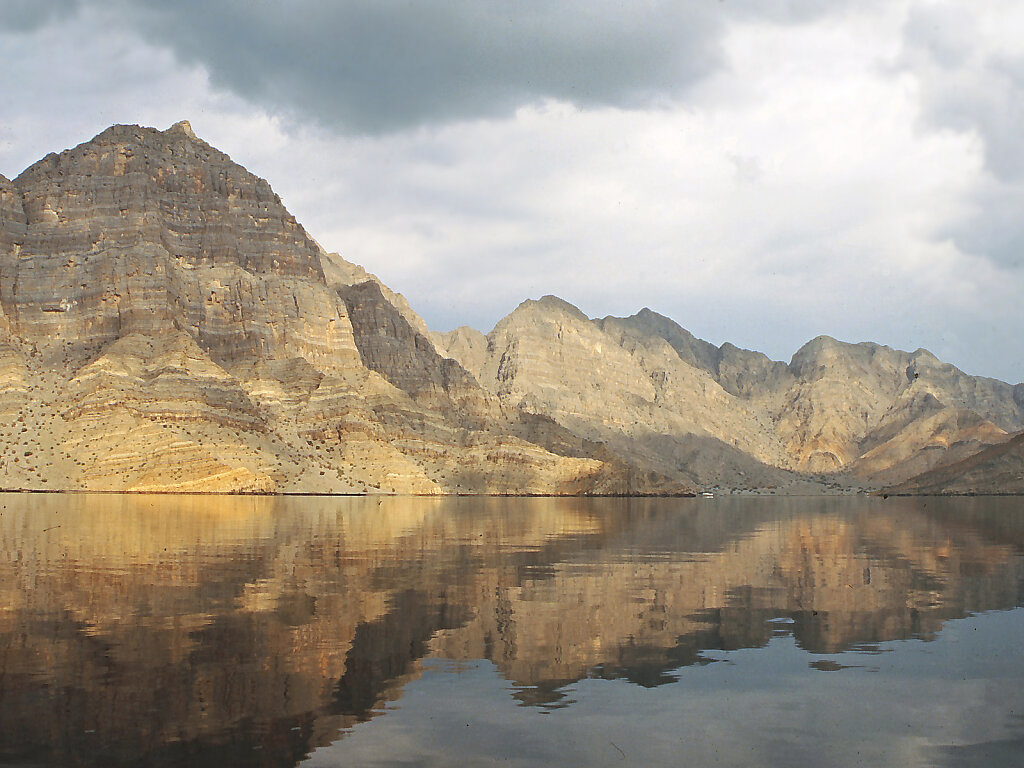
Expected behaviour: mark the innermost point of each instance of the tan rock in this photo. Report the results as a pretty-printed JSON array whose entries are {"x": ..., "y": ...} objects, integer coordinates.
[
  {"x": 996, "y": 469},
  {"x": 157, "y": 296}
]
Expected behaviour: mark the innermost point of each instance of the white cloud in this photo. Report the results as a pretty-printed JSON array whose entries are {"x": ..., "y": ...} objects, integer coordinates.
[{"x": 806, "y": 186}]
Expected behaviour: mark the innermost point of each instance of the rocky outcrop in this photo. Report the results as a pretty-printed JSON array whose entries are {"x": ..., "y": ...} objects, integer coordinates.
[
  {"x": 465, "y": 344},
  {"x": 944, "y": 437},
  {"x": 142, "y": 231},
  {"x": 154, "y": 292},
  {"x": 166, "y": 324},
  {"x": 340, "y": 273},
  {"x": 862, "y": 414},
  {"x": 996, "y": 469},
  {"x": 391, "y": 346},
  {"x": 630, "y": 393},
  {"x": 738, "y": 371},
  {"x": 845, "y": 393}
]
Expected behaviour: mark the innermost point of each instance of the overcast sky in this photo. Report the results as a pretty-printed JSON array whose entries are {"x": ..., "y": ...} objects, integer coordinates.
[{"x": 761, "y": 171}]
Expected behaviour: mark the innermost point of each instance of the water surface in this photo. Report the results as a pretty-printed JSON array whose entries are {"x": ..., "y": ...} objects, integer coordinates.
[{"x": 220, "y": 631}]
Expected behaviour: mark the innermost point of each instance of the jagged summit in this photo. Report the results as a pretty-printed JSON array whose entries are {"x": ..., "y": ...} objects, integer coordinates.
[
  {"x": 182, "y": 126},
  {"x": 132, "y": 184},
  {"x": 170, "y": 326},
  {"x": 550, "y": 303}
]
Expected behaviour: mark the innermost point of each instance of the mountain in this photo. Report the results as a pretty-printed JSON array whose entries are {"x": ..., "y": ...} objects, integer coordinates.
[
  {"x": 858, "y": 415},
  {"x": 167, "y": 325},
  {"x": 996, "y": 469}
]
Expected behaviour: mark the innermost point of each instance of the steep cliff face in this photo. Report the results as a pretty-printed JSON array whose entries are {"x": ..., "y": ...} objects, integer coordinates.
[
  {"x": 465, "y": 344},
  {"x": 627, "y": 390},
  {"x": 140, "y": 231},
  {"x": 166, "y": 324},
  {"x": 860, "y": 413},
  {"x": 849, "y": 398},
  {"x": 390, "y": 345}
]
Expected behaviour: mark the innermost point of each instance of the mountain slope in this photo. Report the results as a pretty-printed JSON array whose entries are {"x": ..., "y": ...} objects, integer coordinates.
[
  {"x": 166, "y": 324},
  {"x": 997, "y": 469},
  {"x": 862, "y": 414}
]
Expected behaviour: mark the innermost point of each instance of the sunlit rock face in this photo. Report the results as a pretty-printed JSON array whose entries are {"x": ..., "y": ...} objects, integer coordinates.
[
  {"x": 141, "y": 231},
  {"x": 849, "y": 399},
  {"x": 163, "y": 627},
  {"x": 166, "y": 324},
  {"x": 999, "y": 467},
  {"x": 721, "y": 416}
]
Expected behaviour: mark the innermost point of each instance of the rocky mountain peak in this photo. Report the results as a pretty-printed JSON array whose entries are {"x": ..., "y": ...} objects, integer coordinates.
[
  {"x": 140, "y": 231},
  {"x": 551, "y": 305},
  {"x": 826, "y": 353},
  {"x": 696, "y": 352},
  {"x": 164, "y": 317},
  {"x": 132, "y": 185},
  {"x": 182, "y": 126}
]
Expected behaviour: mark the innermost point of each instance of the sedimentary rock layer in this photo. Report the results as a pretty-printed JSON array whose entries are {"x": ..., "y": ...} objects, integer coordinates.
[{"x": 166, "y": 324}]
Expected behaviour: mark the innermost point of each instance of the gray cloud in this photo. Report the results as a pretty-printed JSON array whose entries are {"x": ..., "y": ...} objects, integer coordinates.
[
  {"x": 28, "y": 15},
  {"x": 379, "y": 65},
  {"x": 971, "y": 85},
  {"x": 372, "y": 66},
  {"x": 967, "y": 86},
  {"x": 994, "y": 229}
]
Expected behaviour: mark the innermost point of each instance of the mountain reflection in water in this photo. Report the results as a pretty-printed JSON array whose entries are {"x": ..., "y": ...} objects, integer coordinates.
[{"x": 245, "y": 630}]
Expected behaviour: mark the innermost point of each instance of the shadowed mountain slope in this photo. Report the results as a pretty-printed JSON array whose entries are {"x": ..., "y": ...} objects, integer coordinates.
[{"x": 861, "y": 414}]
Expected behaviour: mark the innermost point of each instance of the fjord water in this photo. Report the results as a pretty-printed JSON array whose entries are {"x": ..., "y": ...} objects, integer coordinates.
[{"x": 221, "y": 631}]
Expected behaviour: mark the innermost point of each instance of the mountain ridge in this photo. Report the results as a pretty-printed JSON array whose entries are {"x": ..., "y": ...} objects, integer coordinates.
[{"x": 166, "y": 324}]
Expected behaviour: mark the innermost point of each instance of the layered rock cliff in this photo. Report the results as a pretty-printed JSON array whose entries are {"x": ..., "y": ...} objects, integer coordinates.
[
  {"x": 855, "y": 414},
  {"x": 996, "y": 469},
  {"x": 166, "y": 325}
]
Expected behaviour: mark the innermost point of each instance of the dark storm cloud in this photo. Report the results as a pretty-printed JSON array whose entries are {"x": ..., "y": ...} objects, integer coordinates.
[
  {"x": 379, "y": 65},
  {"x": 26, "y": 15},
  {"x": 374, "y": 66}
]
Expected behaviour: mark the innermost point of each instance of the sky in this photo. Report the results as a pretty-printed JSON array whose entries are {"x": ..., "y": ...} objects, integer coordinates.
[{"x": 761, "y": 171}]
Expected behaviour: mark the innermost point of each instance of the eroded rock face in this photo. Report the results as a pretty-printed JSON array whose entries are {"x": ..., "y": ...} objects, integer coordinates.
[
  {"x": 465, "y": 344},
  {"x": 390, "y": 345},
  {"x": 998, "y": 468},
  {"x": 863, "y": 413},
  {"x": 166, "y": 324},
  {"x": 847, "y": 398},
  {"x": 141, "y": 231}
]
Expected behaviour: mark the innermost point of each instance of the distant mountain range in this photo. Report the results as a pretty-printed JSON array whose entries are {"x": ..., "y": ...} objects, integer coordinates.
[{"x": 166, "y": 325}]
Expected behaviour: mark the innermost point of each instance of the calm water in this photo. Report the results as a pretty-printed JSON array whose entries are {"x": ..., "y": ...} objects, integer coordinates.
[{"x": 173, "y": 631}]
